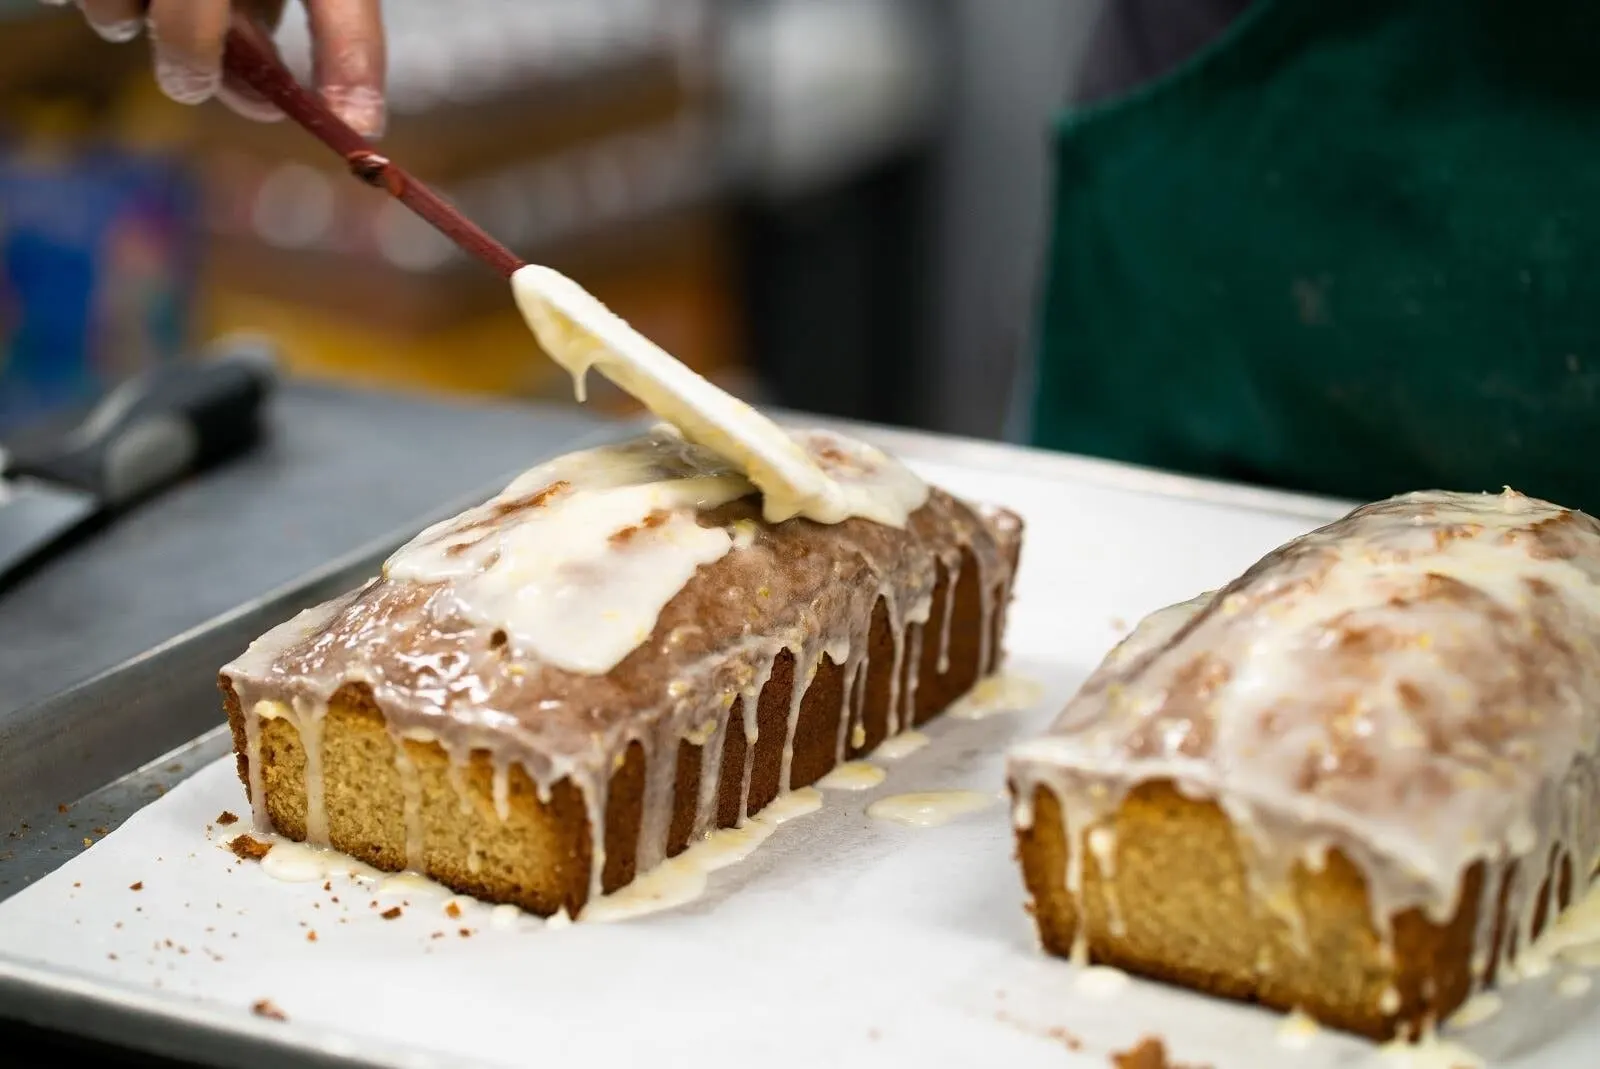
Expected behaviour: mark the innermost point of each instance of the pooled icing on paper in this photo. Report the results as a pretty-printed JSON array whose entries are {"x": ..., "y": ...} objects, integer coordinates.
[
  {"x": 1414, "y": 684},
  {"x": 828, "y": 485},
  {"x": 452, "y": 657}
]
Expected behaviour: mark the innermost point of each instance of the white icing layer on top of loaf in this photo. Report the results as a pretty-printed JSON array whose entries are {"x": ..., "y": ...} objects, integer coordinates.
[
  {"x": 580, "y": 333},
  {"x": 1416, "y": 684},
  {"x": 576, "y": 558}
]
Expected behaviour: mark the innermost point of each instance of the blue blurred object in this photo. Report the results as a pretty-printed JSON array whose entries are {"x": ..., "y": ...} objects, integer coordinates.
[{"x": 98, "y": 249}]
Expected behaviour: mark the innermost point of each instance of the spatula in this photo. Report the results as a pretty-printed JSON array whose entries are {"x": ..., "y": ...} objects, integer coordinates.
[{"x": 577, "y": 330}]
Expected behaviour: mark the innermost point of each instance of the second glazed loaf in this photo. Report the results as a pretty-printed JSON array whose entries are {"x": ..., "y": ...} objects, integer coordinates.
[{"x": 1357, "y": 781}]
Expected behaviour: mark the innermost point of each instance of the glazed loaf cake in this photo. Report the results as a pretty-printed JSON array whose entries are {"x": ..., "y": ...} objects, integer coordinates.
[
  {"x": 1356, "y": 781},
  {"x": 549, "y": 694}
]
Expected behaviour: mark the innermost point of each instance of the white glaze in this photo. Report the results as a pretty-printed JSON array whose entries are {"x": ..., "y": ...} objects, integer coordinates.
[
  {"x": 1100, "y": 981},
  {"x": 1003, "y": 693},
  {"x": 1297, "y": 1031},
  {"x": 1477, "y": 1009},
  {"x": 565, "y": 560},
  {"x": 853, "y": 776},
  {"x": 1430, "y": 1053},
  {"x": 1574, "y": 985},
  {"x": 580, "y": 333},
  {"x": 900, "y": 746},
  {"x": 929, "y": 809},
  {"x": 680, "y": 880}
]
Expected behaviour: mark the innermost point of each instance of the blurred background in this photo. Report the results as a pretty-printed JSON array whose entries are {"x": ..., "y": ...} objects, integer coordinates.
[{"x": 829, "y": 205}]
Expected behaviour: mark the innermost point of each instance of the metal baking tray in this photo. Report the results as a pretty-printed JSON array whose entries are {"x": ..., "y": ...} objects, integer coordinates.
[{"x": 75, "y": 766}]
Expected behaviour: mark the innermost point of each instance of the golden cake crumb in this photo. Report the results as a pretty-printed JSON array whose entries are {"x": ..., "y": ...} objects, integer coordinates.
[
  {"x": 265, "y": 1008},
  {"x": 391, "y": 913},
  {"x": 226, "y": 817},
  {"x": 1148, "y": 1053},
  {"x": 249, "y": 848},
  {"x": 136, "y": 886}
]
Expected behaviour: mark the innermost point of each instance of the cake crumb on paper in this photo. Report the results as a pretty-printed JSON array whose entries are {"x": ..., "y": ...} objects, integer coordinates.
[
  {"x": 249, "y": 848},
  {"x": 264, "y": 1007},
  {"x": 391, "y": 913},
  {"x": 226, "y": 817},
  {"x": 137, "y": 885},
  {"x": 311, "y": 936},
  {"x": 452, "y": 911},
  {"x": 1148, "y": 1053},
  {"x": 1065, "y": 1038}
]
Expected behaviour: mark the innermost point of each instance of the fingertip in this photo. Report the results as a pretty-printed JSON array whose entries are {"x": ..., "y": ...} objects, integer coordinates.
[
  {"x": 185, "y": 83},
  {"x": 362, "y": 107},
  {"x": 247, "y": 104},
  {"x": 116, "y": 21}
]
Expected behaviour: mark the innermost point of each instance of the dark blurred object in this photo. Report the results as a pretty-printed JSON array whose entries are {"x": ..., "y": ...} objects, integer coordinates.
[{"x": 143, "y": 436}]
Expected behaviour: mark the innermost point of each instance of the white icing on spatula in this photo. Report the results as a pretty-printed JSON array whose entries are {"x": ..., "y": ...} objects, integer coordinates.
[{"x": 827, "y": 481}]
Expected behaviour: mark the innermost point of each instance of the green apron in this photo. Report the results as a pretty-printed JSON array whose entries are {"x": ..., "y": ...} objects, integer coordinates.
[{"x": 1351, "y": 248}]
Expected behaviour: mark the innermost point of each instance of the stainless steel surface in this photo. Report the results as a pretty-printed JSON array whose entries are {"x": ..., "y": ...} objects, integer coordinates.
[
  {"x": 33, "y": 515},
  {"x": 83, "y": 744},
  {"x": 64, "y": 747}
]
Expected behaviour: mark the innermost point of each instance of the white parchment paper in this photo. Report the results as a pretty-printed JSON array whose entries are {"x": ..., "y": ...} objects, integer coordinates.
[{"x": 842, "y": 941}]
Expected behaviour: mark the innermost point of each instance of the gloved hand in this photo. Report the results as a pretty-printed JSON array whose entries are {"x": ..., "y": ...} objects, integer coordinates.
[{"x": 186, "y": 42}]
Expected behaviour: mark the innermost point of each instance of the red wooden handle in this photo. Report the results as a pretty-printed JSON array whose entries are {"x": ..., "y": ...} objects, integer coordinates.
[{"x": 248, "y": 55}]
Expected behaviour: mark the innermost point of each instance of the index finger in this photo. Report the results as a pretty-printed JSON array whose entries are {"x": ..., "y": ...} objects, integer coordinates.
[{"x": 349, "y": 59}]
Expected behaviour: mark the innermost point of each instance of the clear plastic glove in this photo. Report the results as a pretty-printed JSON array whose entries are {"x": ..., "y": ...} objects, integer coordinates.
[{"x": 186, "y": 42}]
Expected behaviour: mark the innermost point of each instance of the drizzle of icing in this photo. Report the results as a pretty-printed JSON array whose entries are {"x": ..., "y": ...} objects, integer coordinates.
[
  {"x": 1412, "y": 685},
  {"x": 1297, "y": 1031},
  {"x": 853, "y": 776},
  {"x": 1003, "y": 693},
  {"x": 929, "y": 809},
  {"x": 298, "y": 863},
  {"x": 1574, "y": 985},
  {"x": 580, "y": 333},
  {"x": 1573, "y": 939},
  {"x": 900, "y": 746},
  {"x": 411, "y": 883},
  {"x": 1100, "y": 981},
  {"x": 1477, "y": 1009},
  {"x": 1430, "y": 1052},
  {"x": 682, "y": 879},
  {"x": 504, "y": 916}
]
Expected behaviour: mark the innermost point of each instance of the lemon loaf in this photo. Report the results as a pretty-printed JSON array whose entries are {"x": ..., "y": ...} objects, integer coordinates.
[
  {"x": 549, "y": 694},
  {"x": 1357, "y": 781}
]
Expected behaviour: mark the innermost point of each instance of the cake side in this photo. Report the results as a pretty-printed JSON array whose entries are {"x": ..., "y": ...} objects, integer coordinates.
[
  {"x": 401, "y": 724},
  {"x": 1166, "y": 892},
  {"x": 533, "y": 848},
  {"x": 1355, "y": 781}
]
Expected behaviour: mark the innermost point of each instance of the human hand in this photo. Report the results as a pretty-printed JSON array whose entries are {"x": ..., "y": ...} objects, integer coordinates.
[{"x": 186, "y": 39}]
